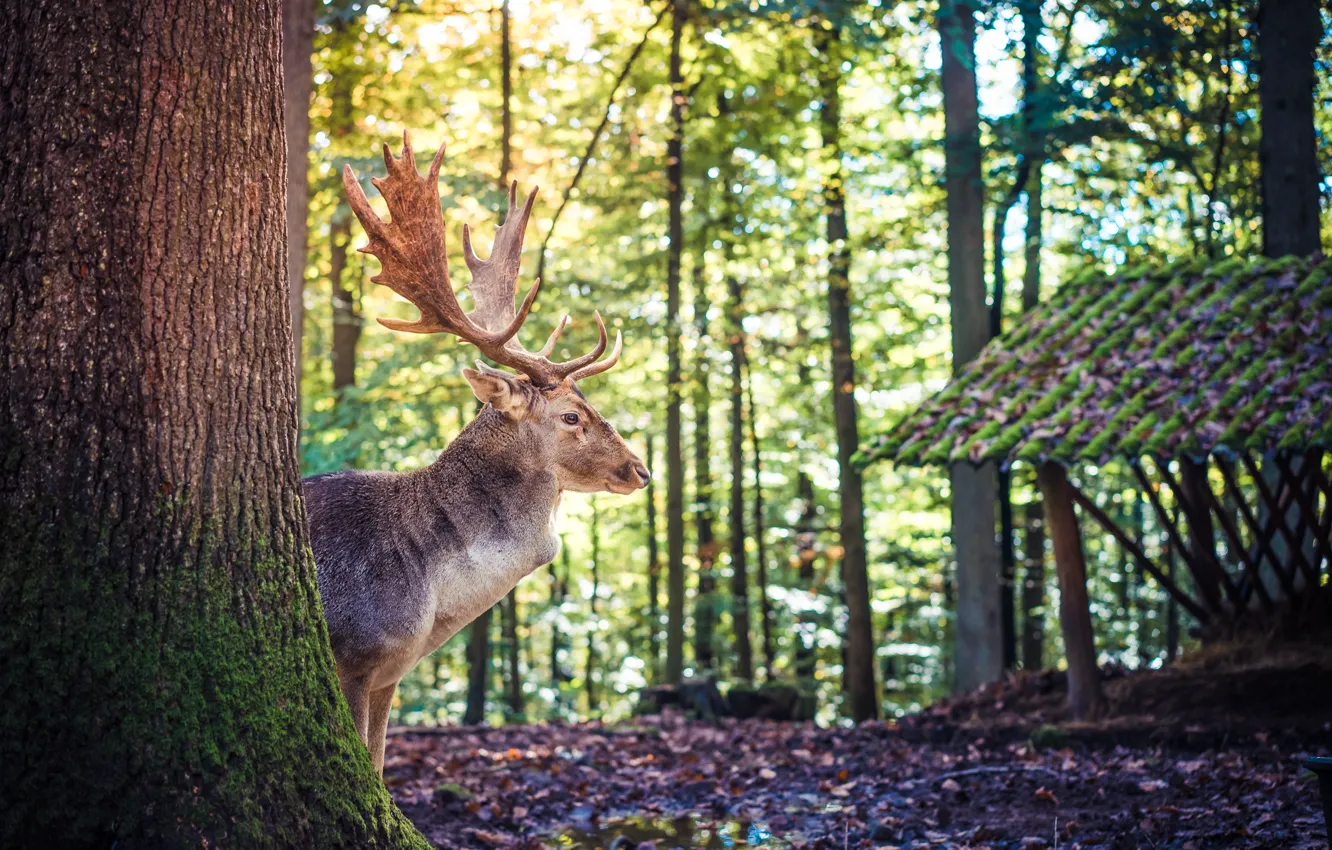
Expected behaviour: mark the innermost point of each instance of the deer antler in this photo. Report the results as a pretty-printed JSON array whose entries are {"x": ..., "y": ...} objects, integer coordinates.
[{"x": 410, "y": 247}]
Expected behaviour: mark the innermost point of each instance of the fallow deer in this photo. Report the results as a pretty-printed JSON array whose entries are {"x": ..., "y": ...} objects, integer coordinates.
[{"x": 406, "y": 559}]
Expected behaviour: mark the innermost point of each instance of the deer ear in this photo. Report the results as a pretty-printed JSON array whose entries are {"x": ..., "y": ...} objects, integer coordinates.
[{"x": 500, "y": 390}]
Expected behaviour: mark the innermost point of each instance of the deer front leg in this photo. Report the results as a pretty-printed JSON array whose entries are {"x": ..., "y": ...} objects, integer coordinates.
[
  {"x": 356, "y": 688},
  {"x": 381, "y": 702}
]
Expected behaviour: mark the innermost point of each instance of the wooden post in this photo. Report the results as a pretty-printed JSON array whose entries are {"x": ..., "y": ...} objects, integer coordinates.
[{"x": 1084, "y": 678}]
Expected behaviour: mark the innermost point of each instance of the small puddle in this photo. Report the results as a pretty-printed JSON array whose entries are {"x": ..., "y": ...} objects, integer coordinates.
[{"x": 684, "y": 833}]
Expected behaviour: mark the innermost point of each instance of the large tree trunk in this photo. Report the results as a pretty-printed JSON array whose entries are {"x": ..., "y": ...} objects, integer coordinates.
[
  {"x": 675, "y": 577},
  {"x": 979, "y": 632},
  {"x": 298, "y": 30},
  {"x": 863, "y": 694},
  {"x": 705, "y": 599},
  {"x": 1084, "y": 677},
  {"x": 1288, "y": 35},
  {"x": 166, "y": 669}
]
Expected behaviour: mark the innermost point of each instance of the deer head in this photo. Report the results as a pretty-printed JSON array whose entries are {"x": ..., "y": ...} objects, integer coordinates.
[{"x": 583, "y": 449}]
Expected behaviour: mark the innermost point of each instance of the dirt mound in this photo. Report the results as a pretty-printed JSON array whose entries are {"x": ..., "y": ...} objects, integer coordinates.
[{"x": 1217, "y": 696}]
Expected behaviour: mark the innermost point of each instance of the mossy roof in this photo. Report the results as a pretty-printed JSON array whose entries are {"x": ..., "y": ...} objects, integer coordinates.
[{"x": 1182, "y": 359}]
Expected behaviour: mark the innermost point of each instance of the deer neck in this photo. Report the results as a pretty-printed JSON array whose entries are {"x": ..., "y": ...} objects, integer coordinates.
[{"x": 494, "y": 485}]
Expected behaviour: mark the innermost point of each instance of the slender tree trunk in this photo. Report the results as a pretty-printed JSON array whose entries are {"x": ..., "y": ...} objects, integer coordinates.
[
  {"x": 1084, "y": 677},
  {"x": 979, "y": 632},
  {"x": 298, "y": 29},
  {"x": 739, "y": 568},
  {"x": 346, "y": 310},
  {"x": 807, "y": 634},
  {"x": 1289, "y": 32},
  {"x": 478, "y": 667},
  {"x": 512, "y": 661},
  {"x": 1007, "y": 550},
  {"x": 1033, "y": 126},
  {"x": 735, "y": 333},
  {"x": 558, "y": 587},
  {"x": 761, "y": 551},
  {"x": 1033, "y": 587},
  {"x": 675, "y": 577},
  {"x": 163, "y": 655},
  {"x": 705, "y": 600},
  {"x": 1172, "y": 609},
  {"x": 863, "y": 695},
  {"x": 654, "y": 574},
  {"x": 589, "y": 678}
]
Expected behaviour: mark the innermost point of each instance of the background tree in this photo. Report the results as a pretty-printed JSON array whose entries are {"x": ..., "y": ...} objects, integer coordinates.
[{"x": 979, "y": 632}]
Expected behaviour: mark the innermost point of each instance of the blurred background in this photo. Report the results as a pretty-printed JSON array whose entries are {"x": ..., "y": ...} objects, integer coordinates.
[{"x": 1112, "y": 133}]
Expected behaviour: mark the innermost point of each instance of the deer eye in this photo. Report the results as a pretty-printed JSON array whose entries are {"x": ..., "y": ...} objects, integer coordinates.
[{"x": 570, "y": 418}]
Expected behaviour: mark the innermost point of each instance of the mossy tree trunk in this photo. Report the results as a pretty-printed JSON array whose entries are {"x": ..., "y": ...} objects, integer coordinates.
[{"x": 167, "y": 675}]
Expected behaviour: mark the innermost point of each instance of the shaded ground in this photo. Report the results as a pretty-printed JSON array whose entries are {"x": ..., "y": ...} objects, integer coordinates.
[{"x": 963, "y": 774}]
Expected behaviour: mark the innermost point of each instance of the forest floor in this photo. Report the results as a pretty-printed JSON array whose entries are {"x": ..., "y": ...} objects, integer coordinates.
[{"x": 1201, "y": 756}]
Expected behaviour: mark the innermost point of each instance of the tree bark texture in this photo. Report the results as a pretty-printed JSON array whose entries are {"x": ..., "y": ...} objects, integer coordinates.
[
  {"x": 166, "y": 669},
  {"x": 862, "y": 692},
  {"x": 1288, "y": 35},
  {"x": 298, "y": 30},
  {"x": 675, "y": 577},
  {"x": 1084, "y": 677},
  {"x": 979, "y": 632}
]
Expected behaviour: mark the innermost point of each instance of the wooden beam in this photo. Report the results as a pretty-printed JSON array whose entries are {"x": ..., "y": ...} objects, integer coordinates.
[
  {"x": 1237, "y": 546},
  {"x": 1309, "y": 509},
  {"x": 1293, "y": 538},
  {"x": 1189, "y": 494},
  {"x": 1262, "y": 536},
  {"x": 1188, "y": 603},
  {"x": 1172, "y": 532},
  {"x": 1085, "y": 698}
]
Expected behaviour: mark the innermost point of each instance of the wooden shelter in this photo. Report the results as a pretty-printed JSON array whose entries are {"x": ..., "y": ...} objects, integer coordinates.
[{"x": 1213, "y": 383}]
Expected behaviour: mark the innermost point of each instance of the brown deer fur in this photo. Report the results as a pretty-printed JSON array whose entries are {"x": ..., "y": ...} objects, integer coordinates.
[{"x": 405, "y": 560}]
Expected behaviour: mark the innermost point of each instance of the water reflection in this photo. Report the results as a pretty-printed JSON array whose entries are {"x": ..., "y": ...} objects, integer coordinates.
[{"x": 684, "y": 833}]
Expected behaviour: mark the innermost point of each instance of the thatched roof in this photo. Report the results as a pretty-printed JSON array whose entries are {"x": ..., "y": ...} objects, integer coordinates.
[{"x": 1184, "y": 359}]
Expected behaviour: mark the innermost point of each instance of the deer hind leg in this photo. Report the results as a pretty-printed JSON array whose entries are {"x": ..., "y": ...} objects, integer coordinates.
[
  {"x": 381, "y": 702},
  {"x": 356, "y": 688}
]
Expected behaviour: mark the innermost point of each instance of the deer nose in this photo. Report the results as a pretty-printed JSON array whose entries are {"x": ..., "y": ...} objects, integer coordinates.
[{"x": 643, "y": 473}]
